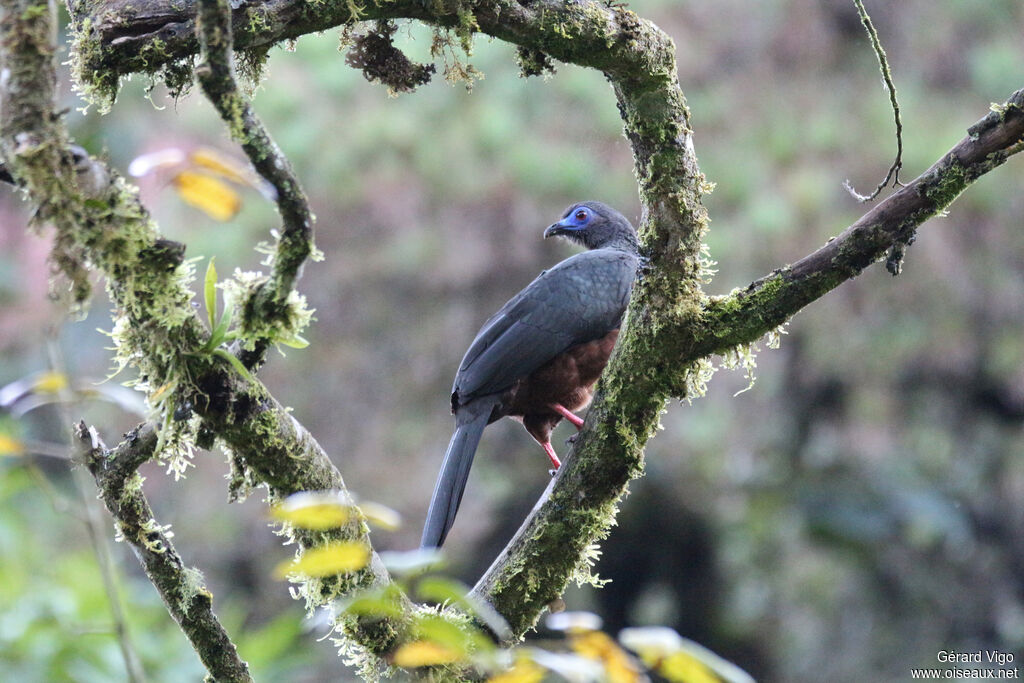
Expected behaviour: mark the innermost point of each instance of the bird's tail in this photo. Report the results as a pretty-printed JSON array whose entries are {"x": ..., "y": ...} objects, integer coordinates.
[{"x": 451, "y": 482}]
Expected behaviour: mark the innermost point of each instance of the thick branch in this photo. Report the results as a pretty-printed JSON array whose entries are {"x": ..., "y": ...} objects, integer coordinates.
[
  {"x": 180, "y": 587},
  {"x": 746, "y": 315},
  {"x": 129, "y": 36}
]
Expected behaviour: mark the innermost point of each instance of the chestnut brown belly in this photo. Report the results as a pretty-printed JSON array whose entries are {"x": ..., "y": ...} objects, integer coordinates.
[{"x": 567, "y": 379}]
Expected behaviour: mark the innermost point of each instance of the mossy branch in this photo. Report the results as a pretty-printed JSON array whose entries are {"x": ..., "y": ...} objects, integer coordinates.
[
  {"x": 181, "y": 588},
  {"x": 267, "y": 306},
  {"x": 100, "y": 226},
  {"x": 747, "y": 314}
]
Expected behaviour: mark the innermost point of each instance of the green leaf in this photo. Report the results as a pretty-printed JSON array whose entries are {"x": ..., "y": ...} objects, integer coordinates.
[
  {"x": 385, "y": 601},
  {"x": 210, "y": 291},
  {"x": 237, "y": 364},
  {"x": 220, "y": 332},
  {"x": 440, "y": 589},
  {"x": 295, "y": 341},
  {"x": 462, "y": 639}
]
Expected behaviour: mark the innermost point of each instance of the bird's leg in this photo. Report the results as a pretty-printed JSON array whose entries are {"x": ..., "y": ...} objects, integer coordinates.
[
  {"x": 568, "y": 415},
  {"x": 539, "y": 425},
  {"x": 550, "y": 450}
]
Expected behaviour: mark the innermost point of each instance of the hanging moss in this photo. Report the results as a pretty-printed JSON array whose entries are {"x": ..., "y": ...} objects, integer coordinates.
[
  {"x": 534, "y": 63},
  {"x": 375, "y": 54}
]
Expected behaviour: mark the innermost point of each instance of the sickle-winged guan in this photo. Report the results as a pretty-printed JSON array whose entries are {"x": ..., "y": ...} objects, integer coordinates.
[{"x": 537, "y": 359}]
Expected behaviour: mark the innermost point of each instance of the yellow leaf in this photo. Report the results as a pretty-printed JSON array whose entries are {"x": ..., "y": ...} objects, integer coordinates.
[
  {"x": 234, "y": 170},
  {"x": 424, "y": 653},
  {"x": 334, "y": 558},
  {"x": 381, "y": 515},
  {"x": 162, "y": 391},
  {"x": 682, "y": 667},
  {"x": 317, "y": 510},
  {"x": 222, "y": 165},
  {"x": 524, "y": 671},
  {"x": 209, "y": 194},
  {"x": 50, "y": 383},
  {"x": 678, "y": 659},
  {"x": 11, "y": 446},
  {"x": 600, "y": 647}
]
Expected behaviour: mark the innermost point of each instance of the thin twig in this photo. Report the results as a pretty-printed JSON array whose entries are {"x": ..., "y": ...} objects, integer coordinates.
[
  {"x": 180, "y": 587},
  {"x": 883, "y": 65},
  {"x": 216, "y": 76}
]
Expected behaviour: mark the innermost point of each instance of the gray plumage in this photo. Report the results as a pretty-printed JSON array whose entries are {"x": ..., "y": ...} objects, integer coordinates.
[{"x": 580, "y": 300}]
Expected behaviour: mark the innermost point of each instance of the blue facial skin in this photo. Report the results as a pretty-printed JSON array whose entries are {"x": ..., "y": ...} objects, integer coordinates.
[{"x": 577, "y": 219}]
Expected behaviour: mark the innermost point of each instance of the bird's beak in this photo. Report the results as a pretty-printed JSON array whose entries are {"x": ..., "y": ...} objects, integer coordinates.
[{"x": 559, "y": 228}]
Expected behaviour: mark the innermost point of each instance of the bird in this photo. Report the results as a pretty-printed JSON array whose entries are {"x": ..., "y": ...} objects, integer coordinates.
[{"x": 537, "y": 359}]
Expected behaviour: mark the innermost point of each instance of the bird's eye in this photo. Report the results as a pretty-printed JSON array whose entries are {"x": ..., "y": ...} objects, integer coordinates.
[{"x": 581, "y": 215}]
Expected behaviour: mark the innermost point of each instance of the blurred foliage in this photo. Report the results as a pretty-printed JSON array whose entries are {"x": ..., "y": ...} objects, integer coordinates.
[
  {"x": 55, "y": 620},
  {"x": 861, "y": 508}
]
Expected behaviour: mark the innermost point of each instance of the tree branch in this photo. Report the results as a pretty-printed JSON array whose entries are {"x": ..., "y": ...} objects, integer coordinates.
[
  {"x": 266, "y": 308},
  {"x": 747, "y": 314},
  {"x": 180, "y": 587}
]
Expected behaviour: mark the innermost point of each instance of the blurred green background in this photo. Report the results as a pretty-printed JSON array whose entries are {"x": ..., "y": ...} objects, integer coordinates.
[{"x": 860, "y": 509}]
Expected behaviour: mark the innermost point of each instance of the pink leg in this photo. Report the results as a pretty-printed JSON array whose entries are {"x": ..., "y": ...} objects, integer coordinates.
[
  {"x": 567, "y": 414},
  {"x": 555, "y": 462}
]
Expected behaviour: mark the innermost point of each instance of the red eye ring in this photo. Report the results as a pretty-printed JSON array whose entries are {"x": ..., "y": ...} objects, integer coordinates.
[{"x": 581, "y": 215}]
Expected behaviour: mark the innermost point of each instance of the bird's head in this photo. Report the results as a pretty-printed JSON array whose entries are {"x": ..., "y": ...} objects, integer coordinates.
[{"x": 595, "y": 226}]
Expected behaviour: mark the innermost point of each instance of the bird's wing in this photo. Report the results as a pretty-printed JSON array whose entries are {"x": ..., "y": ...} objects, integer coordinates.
[{"x": 581, "y": 299}]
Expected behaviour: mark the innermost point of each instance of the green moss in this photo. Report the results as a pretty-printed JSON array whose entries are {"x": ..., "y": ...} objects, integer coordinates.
[
  {"x": 179, "y": 76},
  {"x": 153, "y": 51},
  {"x": 33, "y": 12},
  {"x": 93, "y": 82},
  {"x": 946, "y": 184},
  {"x": 246, "y": 292},
  {"x": 465, "y": 28},
  {"x": 533, "y": 63},
  {"x": 258, "y": 20}
]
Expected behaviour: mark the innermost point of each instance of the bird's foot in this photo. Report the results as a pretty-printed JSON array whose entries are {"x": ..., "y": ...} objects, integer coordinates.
[{"x": 568, "y": 415}]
